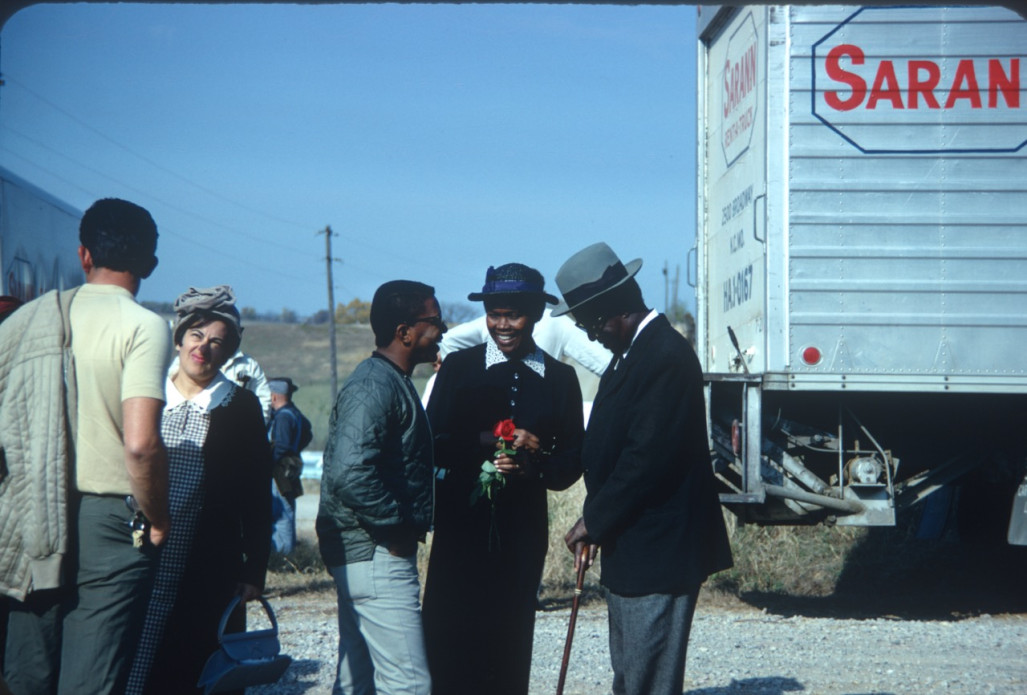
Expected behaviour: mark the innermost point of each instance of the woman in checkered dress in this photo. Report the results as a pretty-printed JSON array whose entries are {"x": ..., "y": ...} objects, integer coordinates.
[{"x": 220, "y": 482}]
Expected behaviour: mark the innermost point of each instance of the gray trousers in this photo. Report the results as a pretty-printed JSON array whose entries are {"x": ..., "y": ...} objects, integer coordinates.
[
  {"x": 649, "y": 641},
  {"x": 381, "y": 641},
  {"x": 82, "y": 639}
]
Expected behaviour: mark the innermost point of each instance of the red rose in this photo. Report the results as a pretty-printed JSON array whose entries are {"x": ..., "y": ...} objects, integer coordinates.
[{"x": 504, "y": 429}]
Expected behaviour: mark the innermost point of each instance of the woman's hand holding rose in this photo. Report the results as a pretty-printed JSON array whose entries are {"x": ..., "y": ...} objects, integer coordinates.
[{"x": 526, "y": 445}]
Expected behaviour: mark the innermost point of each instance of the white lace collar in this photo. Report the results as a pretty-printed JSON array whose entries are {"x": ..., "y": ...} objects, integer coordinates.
[
  {"x": 533, "y": 360},
  {"x": 215, "y": 394}
]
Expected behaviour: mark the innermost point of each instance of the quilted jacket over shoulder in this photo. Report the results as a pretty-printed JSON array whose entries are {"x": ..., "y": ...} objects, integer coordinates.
[{"x": 34, "y": 447}]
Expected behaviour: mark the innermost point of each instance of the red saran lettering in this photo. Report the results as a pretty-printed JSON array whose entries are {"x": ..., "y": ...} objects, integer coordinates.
[
  {"x": 886, "y": 86},
  {"x": 727, "y": 88},
  {"x": 739, "y": 79},
  {"x": 964, "y": 73},
  {"x": 925, "y": 87},
  {"x": 924, "y": 78},
  {"x": 855, "y": 82},
  {"x": 1010, "y": 86}
]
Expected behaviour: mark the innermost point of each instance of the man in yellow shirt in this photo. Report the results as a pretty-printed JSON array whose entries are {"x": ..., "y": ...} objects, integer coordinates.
[{"x": 80, "y": 638}]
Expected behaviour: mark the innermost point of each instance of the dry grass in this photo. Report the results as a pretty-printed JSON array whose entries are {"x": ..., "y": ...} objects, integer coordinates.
[
  {"x": 801, "y": 561},
  {"x": 781, "y": 560},
  {"x": 809, "y": 570},
  {"x": 304, "y": 570}
]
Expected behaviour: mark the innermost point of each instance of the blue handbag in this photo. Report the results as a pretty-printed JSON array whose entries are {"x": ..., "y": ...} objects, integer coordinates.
[{"x": 244, "y": 658}]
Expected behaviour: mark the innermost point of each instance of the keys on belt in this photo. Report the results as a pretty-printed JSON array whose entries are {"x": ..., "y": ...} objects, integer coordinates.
[{"x": 139, "y": 524}]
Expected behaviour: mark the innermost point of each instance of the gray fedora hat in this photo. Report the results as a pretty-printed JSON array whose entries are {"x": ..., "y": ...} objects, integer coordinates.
[{"x": 589, "y": 273}]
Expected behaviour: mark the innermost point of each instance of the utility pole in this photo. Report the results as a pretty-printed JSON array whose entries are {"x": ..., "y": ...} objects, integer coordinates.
[
  {"x": 674, "y": 288},
  {"x": 666, "y": 307},
  {"x": 331, "y": 309}
]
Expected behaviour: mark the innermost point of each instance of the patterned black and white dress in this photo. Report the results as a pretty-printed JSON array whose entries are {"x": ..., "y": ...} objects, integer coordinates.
[{"x": 218, "y": 459}]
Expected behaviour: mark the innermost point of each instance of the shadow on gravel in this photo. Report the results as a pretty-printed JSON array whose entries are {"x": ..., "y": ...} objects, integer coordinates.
[
  {"x": 754, "y": 686},
  {"x": 301, "y": 676},
  {"x": 554, "y": 600},
  {"x": 889, "y": 575},
  {"x": 300, "y": 584}
]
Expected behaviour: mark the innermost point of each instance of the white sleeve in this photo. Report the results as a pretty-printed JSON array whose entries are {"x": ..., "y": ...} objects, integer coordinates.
[
  {"x": 429, "y": 385},
  {"x": 463, "y": 336},
  {"x": 242, "y": 364},
  {"x": 258, "y": 384}
]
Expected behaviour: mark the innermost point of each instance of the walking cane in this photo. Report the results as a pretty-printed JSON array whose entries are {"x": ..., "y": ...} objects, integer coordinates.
[{"x": 582, "y": 565}]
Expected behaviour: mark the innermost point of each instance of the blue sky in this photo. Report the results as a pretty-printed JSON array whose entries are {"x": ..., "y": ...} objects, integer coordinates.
[{"x": 436, "y": 140}]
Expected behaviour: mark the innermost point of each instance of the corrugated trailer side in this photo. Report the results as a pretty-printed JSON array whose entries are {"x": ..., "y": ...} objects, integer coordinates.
[
  {"x": 862, "y": 248},
  {"x": 907, "y": 207},
  {"x": 38, "y": 240}
]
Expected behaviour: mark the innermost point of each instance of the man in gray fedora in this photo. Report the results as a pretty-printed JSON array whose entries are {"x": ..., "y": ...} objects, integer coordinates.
[{"x": 651, "y": 502}]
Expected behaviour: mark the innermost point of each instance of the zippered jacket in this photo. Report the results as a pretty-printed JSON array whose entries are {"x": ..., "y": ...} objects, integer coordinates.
[{"x": 377, "y": 485}]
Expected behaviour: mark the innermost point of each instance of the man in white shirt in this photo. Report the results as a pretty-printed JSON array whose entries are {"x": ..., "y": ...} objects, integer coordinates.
[{"x": 244, "y": 371}]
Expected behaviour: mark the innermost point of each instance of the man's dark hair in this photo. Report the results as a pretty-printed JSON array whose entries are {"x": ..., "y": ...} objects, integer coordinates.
[
  {"x": 396, "y": 302},
  {"x": 624, "y": 299},
  {"x": 120, "y": 236}
]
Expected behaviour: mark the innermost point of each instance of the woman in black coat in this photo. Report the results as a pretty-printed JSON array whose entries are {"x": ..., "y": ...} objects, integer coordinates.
[
  {"x": 487, "y": 554},
  {"x": 219, "y": 464}
]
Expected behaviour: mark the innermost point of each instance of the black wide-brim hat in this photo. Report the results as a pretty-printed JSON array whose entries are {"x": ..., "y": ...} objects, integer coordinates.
[
  {"x": 512, "y": 279},
  {"x": 591, "y": 272}
]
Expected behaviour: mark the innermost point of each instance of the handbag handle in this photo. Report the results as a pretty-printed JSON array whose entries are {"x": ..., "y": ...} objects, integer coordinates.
[{"x": 231, "y": 607}]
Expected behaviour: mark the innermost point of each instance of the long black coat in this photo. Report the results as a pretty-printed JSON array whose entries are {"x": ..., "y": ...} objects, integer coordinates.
[
  {"x": 652, "y": 503},
  {"x": 479, "y": 598},
  {"x": 232, "y": 543}
]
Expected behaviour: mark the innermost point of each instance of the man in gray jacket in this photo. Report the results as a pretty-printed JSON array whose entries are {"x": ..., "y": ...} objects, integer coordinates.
[{"x": 377, "y": 496}]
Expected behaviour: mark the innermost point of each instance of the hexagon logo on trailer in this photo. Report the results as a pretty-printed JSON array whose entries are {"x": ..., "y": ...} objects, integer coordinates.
[
  {"x": 923, "y": 80},
  {"x": 740, "y": 90}
]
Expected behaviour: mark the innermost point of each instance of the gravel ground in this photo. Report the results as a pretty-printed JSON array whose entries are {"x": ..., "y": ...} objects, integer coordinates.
[
  {"x": 807, "y": 646},
  {"x": 734, "y": 650}
]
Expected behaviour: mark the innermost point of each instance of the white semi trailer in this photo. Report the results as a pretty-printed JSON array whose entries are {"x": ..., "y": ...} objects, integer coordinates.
[
  {"x": 862, "y": 260},
  {"x": 38, "y": 240}
]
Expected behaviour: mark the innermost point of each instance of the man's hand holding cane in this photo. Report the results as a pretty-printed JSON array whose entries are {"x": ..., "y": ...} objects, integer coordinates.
[{"x": 576, "y": 539}]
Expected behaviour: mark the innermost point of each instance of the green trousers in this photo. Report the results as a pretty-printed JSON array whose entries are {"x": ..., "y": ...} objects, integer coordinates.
[{"x": 82, "y": 638}]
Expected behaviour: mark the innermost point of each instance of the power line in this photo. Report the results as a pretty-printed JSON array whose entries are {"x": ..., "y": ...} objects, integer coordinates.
[
  {"x": 47, "y": 171},
  {"x": 164, "y": 228},
  {"x": 184, "y": 211},
  {"x": 389, "y": 253},
  {"x": 149, "y": 161}
]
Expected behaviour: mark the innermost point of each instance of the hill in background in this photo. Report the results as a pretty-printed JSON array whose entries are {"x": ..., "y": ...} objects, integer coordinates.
[{"x": 302, "y": 352}]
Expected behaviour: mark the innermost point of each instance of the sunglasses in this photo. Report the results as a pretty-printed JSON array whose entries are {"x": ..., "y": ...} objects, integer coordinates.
[
  {"x": 433, "y": 320},
  {"x": 593, "y": 326}
]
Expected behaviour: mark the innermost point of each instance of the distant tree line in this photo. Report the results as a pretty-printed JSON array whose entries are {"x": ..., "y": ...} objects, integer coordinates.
[
  {"x": 247, "y": 313},
  {"x": 357, "y": 311}
]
